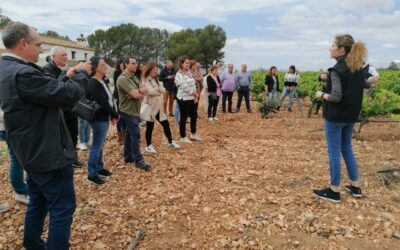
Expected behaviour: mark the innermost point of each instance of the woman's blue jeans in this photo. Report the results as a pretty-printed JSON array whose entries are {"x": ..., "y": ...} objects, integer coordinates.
[
  {"x": 290, "y": 93},
  {"x": 272, "y": 94},
  {"x": 84, "y": 130},
  {"x": 16, "y": 170},
  {"x": 338, "y": 138},
  {"x": 95, "y": 163}
]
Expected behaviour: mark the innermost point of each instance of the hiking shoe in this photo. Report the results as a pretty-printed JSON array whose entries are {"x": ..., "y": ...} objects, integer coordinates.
[
  {"x": 104, "y": 172},
  {"x": 150, "y": 149},
  {"x": 328, "y": 194},
  {"x": 4, "y": 207},
  {"x": 355, "y": 191},
  {"x": 96, "y": 180},
  {"x": 185, "y": 139},
  {"x": 210, "y": 119},
  {"x": 142, "y": 165},
  {"x": 194, "y": 138},
  {"x": 78, "y": 164},
  {"x": 82, "y": 146},
  {"x": 23, "y": 198},
  {"x": 173, "y": 145}
]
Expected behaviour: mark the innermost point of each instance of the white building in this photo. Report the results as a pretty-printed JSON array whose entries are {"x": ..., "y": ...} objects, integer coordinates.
[
  {"x": 77, "y": 51},
  {"x": 395, "y": 64}
]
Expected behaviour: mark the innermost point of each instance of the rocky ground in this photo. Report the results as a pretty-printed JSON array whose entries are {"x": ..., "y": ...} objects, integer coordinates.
[{"x": 247, "y": 185}]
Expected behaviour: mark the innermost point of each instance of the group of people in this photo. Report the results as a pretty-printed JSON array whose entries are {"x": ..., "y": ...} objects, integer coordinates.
[
  {"x": 291, "y": 80},
  {"x": 42, "y": 139}
]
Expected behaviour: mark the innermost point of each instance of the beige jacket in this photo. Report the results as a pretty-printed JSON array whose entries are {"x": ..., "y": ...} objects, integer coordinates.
[{"x": 155, "y": 98}]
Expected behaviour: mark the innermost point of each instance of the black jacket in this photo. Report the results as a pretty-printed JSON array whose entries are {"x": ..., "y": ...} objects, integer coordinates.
[
  {"x": 269, "y": 81},
  {"x": 31, "y": 102},
  {"x": 348, "y": 109},
  {"x": 95, "y": 91},
  {"x": 211, "y": 84},
  {"x": 52, "y": 70},
  {"x": 168, "y": 83}
]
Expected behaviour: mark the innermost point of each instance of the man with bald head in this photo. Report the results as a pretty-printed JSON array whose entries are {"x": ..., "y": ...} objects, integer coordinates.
[
  {"x": 243, "y": 84},
  {"x": 55, "y": 68},
  {"x": 38, "y": 135}
]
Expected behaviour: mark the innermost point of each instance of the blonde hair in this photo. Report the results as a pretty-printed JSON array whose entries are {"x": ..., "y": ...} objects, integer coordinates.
[
  {"x": 214, "y": 67},
  {"x": 356, "y": 51}
]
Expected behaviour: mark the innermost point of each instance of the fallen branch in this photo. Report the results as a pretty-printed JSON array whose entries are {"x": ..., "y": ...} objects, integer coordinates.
[
  {"x": 316, "y": 130},
  {"x": 139, "y": 237}
]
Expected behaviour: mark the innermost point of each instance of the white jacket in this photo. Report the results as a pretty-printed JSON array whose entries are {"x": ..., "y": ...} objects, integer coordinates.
[{"x": 186, "y": 85}]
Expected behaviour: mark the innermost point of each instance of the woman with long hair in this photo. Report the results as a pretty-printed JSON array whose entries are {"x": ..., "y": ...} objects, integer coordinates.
[
  {"x": 154, "y": 99},
  {"x": 98, "y": 91},
  {"x": 342, "y": 105},
  {"x": 213, "y": 92},
  {"x": 118, "y": 69},
  {"x": 272, "y": 83},
  {"x": 290, "y": 81},
  {"x": 187, "y": 98}
]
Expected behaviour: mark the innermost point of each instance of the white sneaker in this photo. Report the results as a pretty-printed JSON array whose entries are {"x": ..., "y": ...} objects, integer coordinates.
[
  {"x": 210, "y": 119},
  {"x": 215, "y": 119},
  {"x": 185, "y": 139},
  {"x": 195, "y": 138},
  {"x": 173, "y": 144},
  {"x": 24, "y": 198},
  {"x": 82, "y": 146},
  {"x": 150, "y": 149},
  {"x": 4, "y": 207}
]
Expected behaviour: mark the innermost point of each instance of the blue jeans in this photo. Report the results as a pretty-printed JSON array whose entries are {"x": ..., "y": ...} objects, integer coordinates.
[
  {"x": 50, "y": 192},
  {"x": 272, "y": 94},
  {"x": 84, "y": 130},
  {"x": 290, "y": 93},
  {"x": 176, "y": 113},
  {"x": 243, "y": 92},
  {"x": 338, "y": 138},
  {"x": 132, "y": 139},
  {"x": 16, "y": 170},
  {"x": 95, "y": 162}
]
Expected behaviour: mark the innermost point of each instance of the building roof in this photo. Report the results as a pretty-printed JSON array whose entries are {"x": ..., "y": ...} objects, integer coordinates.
[{"x": 62, "y": 42}]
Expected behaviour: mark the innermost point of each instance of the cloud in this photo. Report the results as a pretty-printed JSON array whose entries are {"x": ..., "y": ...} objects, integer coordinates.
[
  {"x": 274, "y": 33},
  {"x": 361, "y": 6},
  {"x": 390, "y": 46}
]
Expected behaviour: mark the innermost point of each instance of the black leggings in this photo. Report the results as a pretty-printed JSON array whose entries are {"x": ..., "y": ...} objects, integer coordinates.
[
  {"x": 150, "y": 127},
  {"x": 212, "y": 106},
  {"x": 187, "y": 109}
]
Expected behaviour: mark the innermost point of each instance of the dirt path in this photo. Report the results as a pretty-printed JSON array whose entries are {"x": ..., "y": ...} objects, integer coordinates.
[{"x": 248, "y": 184}]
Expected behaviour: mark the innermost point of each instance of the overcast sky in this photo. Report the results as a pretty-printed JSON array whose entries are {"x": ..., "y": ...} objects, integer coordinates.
[{"x": 259, "y": 33}]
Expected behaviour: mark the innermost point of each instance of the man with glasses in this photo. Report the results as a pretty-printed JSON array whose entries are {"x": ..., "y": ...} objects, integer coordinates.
[
  {"x": 32, "y": 103},
  {"x": 130, "y": 93}
]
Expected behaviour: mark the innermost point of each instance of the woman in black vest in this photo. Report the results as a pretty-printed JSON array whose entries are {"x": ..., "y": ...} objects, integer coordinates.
[
  {"x": 342, "y": 105},
  {"x": 98, "y": 90}
]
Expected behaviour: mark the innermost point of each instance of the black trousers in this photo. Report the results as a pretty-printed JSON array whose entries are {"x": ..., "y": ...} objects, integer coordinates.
[
  {"x": 71, "y": 119},
  {"x": 243, "y": 92},
  {"x": 187, "y": 109},
  {"x": 150, "y": 127},
  {"x": 212, "y": 106},
  {"x": 227, "y": 95}
]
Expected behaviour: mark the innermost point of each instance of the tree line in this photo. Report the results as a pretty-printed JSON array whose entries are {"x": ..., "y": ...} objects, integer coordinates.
[{"x": 152, "y": 44}]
